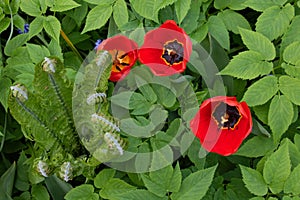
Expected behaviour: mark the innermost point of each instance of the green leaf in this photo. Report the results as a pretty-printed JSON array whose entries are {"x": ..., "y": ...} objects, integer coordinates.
[
  {"x": 277, "y": 169},
  {"x": 259, "y": 43},
  {"x": 259, "y": 5},
  {"x": 163, "y": 181},
  {"x": 52, "y": 27},
  {"x": 262, "y": 112},
  {"x": 94, "y": 21},
  {"x": 221, "y": 4},
  {"x": 56, "y": 187},
  {"x": 39, "y": 192},
  {"x": 5, "y": 84},
  {"x": 256, "y": 147},
  {"x": 115, "y": 187},
  {"x": 291, "y": 53},
  {"x": 261, "y": 91},
  {"x": 37, "y": 52},
  {"x": 190, "y": 22},
  {"x": 218, "y": 30},
  {"x": 140, "y": 194},
  {"x": 102, "y": 2},
  {"x": 148, "y": 93},
  {"x": 237, "y": 4},
  {"x": 36, "y": 26},
  {"x": 247, "y": 65},
  {"x": 254, "y": 181},
  {"x": 22, "y": 181},
  {"x": 292, "y": 34},
  {"x": 31, "y": 7},
  {"x": 103, "y": 177},
  {"x": 139, "y": 104},
  {"x": 4, "y": 24},
  {"x": 292, "y": 184},
  {"x": 181, "y": 8},
  {"x": 17, "y": 41},
  {"x": 120, "y": 13},
  {"x": 290, "y": 87},
  {"x": 274, "y": 21},
  {"x": 55, "y": 49},
  {"x": 280, "y": 115},
  {"x": 82, "y": 192},
  {"x": 234, "y": 20},
  {"x": 200, "y": 33},
  {"x": 60, "y": 6},
  {"x": 195, "y": 185},
  {"x": 7, "y": 182},
  {"x": 166, "y": 97},
  {"x": 149, "y": 9}
]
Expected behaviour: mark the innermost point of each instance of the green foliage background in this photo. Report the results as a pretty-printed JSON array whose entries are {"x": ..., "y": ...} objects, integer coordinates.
[{"x": 256, "y": 47}]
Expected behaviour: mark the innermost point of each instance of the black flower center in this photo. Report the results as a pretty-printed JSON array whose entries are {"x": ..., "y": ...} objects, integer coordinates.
[
  {"x": 173, "y": 52},
  {"x": 226, "y": 116}
]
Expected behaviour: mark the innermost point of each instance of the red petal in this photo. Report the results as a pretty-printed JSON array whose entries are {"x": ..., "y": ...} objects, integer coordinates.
[
  {"x": 152, "y": 49},
  {"x": 214, "y": 139},
  {"x": 124, "y": 44}
]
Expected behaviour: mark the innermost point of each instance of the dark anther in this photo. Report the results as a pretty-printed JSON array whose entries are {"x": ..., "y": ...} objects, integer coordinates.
[
  {"x": 173, "y": 52},
  {"x": 226, "y": 116}
]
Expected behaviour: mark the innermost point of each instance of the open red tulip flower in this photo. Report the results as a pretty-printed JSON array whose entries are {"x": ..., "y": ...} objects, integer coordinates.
[
  {"x": 166, "y": 50},
  {"x": 124, "y": 55},
  {"x": 222, "y": 124}
]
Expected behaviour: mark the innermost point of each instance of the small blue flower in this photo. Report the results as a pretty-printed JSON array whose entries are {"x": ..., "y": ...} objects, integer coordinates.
[
  {"x": 97, "y": 43},
  {"x": 26, "y": 29}
]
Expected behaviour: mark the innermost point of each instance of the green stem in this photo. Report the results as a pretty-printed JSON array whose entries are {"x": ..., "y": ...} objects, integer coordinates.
[
  {"x": 4, "y": 132},
  {"x": 11, "y": 24},
  {"x": 68, "y": 41}
]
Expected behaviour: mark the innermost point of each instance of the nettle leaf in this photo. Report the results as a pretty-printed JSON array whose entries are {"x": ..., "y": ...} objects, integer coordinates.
[
  {"x": 261, "y": 91},
  {"x": 37, "y": 52},
  {"x": 120, "y": 13},
  {"x": 237, "y": 4},
  {"x": 60, "y": 6},
  {"x": 102, "y": 2},
  {"x": 36, "y": 26},
  {"x": 291, "y": 57},
  {"x": 274, "y": 21},
  {"x": 52, "y": 27},
  {"x": 259, "y": 5},
  {"x": 82, "y": 192},
  {"x": 254, "y": 181},
  {"x": 31, "y": 7},
  {"x": 292, "y": 184},
  {"x": 94, "y": 20},
  {"x": 247, "y": 65},
  {"x": 262, "y": 112},
  {"x": 218, "y": 30},
  {"x": 181, "y": 8},
  {"x": 190, "y": 22},
  {"x": 149, "y": 9},
  {"x": 292, "y": 34},
  {"x": 4, "y": 24},
  {"x": 164, "y": 180},
  {"x": 140, "y": 194},
  {"x": 280, "y": 115},
  {"x": 103, "y": 177},
  {"x": 234, "y": 20},
  {"x": 17, "y": 41},
  {"x": 195, "y": 185},
  {"x": 114, "y": 188},
  {"x": 277, "y": 169},
  {"x": 5, "y": 84},
  {"x": 259, "y": 43},
  {"x": 291, "y": 53},
  {"x": 262, "y": 145},
  {"x": 221, "y": 4},
  {"x": 290, "y": 87}
]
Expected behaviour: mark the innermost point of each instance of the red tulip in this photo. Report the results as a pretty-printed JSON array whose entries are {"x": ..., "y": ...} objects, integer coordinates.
[
  {"x": 166, "y": 50},
  {"x": 222, "y": 124},
  {"x": 124, "y": 55}
]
